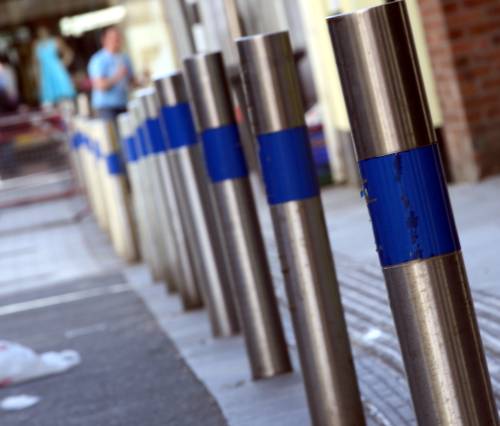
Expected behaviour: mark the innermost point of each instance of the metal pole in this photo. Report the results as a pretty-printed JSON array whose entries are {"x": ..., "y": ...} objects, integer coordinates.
[
  {"x": 126, "y": 130},
  {"x": 273, "y": 95},
  {"x": 227, "y": 170},
  {"x": 98, "y": 174},
  {"x": 147, "y": 195},
  {"x": 120, "y": 223},
  {"x": 412, "y": 219},
  {"x": 196, "y": 202},
  {"x": 156, "y": 153},
  {"x": 180, "y": 266}
]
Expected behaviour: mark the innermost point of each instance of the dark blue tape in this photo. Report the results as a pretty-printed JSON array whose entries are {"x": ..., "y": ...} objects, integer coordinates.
[
  {"x": 114, "y": 164},
  {"x": 143, "y": 147},
  {"x": 224, "y": 156},
  {"x": 409, "y": 206},
  {"x": 94, "y": 147},
  {"x": 156, "y": 138},
  {"x": 179, "y": 124},
  {"x": 76, "y": 141},
  {"x": 287, "y": 165},
  {"x": 130, "y": 149}
]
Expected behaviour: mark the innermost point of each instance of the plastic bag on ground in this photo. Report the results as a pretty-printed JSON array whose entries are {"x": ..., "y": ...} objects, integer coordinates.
[{"x": 19, "y": 363}]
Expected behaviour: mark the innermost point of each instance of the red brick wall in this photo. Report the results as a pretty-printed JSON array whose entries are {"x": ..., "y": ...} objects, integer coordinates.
[{"x": 464, "y": 45}]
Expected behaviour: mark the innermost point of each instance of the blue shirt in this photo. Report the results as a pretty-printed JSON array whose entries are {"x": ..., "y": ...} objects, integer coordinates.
[{"x": 105, "y": 64}]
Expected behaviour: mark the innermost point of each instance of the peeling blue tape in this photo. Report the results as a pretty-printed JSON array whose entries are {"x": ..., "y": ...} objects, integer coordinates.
[
  {"x": 155, "y": 136},
  {"x": 114, "y": 164},
  {"x": 223, "y": 153},
  {"x": 287, "y": 165},
  {"x": 179, "y": 125},
  {"x": 409, "y": 205}
]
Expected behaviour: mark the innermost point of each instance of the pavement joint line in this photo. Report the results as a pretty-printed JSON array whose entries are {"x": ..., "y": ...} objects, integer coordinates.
[{"x": 62, "y": 298}]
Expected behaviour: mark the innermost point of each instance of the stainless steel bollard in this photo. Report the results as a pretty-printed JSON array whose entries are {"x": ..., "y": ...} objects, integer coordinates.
[
  {"x": 227, "y": 170},
  {"x": 97, "y": 173},
  {"x": 412, "y": 219},
  {"x": 273, "y": 95},
  {"x": 155, "y": 251},
  {"x": 156, "y": 153},
  {"x": 126, "y": 132},
  {"x": 180, "y": 267},
  {"x": 121, "y": 228},
  {"x": 196, "y": 202}
]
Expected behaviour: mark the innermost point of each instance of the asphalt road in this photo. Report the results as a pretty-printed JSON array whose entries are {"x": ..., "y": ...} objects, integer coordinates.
[{"x": 130, "y": 375}]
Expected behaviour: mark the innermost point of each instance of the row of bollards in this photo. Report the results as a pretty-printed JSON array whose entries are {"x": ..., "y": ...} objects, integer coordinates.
[{"x": 192, "y": 216}]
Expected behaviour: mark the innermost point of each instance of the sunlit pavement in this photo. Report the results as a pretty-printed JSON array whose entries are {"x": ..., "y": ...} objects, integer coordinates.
[{"x": 55, "y": 248}]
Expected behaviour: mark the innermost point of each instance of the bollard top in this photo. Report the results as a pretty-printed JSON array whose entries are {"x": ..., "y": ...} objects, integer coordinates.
[
  {"x": 270, "y": 82},
  {"x": 381, "y": 80},
  {"x": 207, "y": 85},
  {"x": 83, "y": 105},
  {"x": 125, "y": 125},
  {"x": 135, "y": 106},
  {"x": 148, "y": 102},
  {"x": 171, "y": 89}
]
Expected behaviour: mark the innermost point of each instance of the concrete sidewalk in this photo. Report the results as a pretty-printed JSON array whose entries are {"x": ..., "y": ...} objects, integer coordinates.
[{"x": 38, "y": 257}]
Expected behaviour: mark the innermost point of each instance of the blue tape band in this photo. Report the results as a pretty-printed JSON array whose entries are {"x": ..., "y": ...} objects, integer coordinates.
[
  {"x": 130, "y": 149},
  {"x": 94, "y": 147},
  {"x": 114, "y": 164},
  {"x": 179, "y": 125},
  {"x": 75, "y": 141},
  {"x": 409, "y": 206},
  {"x": 143, "y": 147},
  {"x": 155, "y": 135},
  {"x": 287, "y": 165},
  {"x": 224, "y": 156}
]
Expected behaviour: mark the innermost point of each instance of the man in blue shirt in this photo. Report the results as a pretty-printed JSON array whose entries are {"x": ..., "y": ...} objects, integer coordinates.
[{"x": 111, "y": 73}]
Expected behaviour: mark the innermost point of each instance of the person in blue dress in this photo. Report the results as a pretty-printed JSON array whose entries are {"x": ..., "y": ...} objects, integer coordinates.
[
  {"x": 111, "y": 73},
  {"x": 53, "y": 56}
]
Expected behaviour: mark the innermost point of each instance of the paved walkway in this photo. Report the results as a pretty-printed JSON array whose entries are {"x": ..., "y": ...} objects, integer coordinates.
[
  {"x": 38, "y": 256},
  {"x": 61, "y": 287}
]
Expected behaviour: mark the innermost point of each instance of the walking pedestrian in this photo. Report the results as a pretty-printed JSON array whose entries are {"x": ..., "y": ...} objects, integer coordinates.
[
  {"x": 111, "y": 74},
  {"x": 52, "y": 58}
]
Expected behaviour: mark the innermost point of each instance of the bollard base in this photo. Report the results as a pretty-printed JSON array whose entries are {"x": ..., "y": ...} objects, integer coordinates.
[{"x": 439, "y": 337}]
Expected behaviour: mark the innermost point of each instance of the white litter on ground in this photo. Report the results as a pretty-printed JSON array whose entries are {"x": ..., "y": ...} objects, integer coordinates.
[
  {"x": 20, "y": 364},
  {"x": 18, "y": 402}
]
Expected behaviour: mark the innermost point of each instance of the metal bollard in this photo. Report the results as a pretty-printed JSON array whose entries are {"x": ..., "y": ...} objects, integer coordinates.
[
  {"x": 196, "y": 202},
  {"x": 115, "y": 189},
  {"x": 139, "y": 217},
  {"x": 227, "y": 170},
  {"x": 147, "y": 195},
  {"x": 273, "y": 95},
  {"x": 97, "y": 173},
  {"x": 76, "y": 143},
  {"x": 156, "y": 153},
  {"x": 86, "y": 159},
  {"x": 180, "y": 267},
  {"x": 412, "y": 219}
]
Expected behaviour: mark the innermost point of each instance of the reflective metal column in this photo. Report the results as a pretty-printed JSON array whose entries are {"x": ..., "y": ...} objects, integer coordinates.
[
  {"x": 179, "y": 263},
  {"x": 227, "y": 170},
  {"x": 413, "y": 223},
  {"x": 115, "y": 190},
  {"x": 156, "y": 250},
  {"x": 273, "y": 94},
  {"x": 197, "y": 204},
  {"x": 156, "y": 160},
  {"x": 126, "y": 132},
  {"x": 97, "y": 168}
]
